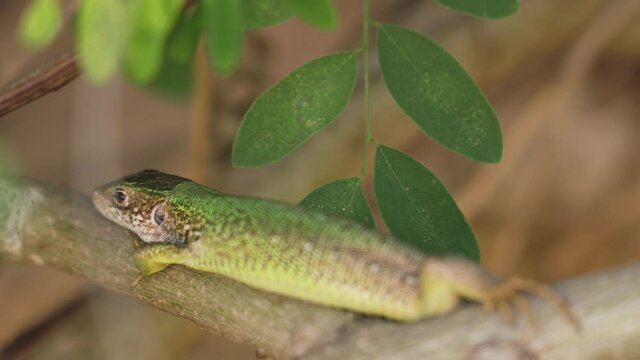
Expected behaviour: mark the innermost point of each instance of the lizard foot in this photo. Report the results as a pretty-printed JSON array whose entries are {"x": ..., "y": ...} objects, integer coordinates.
[{"x": 504, "y": 296}]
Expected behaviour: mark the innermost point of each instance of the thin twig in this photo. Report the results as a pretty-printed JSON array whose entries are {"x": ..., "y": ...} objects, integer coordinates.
[
  {"x": 200, "y": 139},
  {"x": 42, "y": 81}
]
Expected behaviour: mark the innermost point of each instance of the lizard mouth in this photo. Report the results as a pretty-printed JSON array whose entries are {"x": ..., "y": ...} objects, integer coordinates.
[{"x": 102, "y": 202}]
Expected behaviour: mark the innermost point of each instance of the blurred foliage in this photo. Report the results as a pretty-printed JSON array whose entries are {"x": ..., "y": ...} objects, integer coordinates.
[
  {"x": 223, "y": 23},
  {"x": 265, "y": 13},
  {"x": 40, "y": 23},
  {"x": 488, "y": 9},
  {"x": 101, "y": 37},
  {"x": 151, "y": 22},
  {"x": 154, "y": 43},
  {"x": 132, "y": 35},
  {"x": 319, "y": 13}
]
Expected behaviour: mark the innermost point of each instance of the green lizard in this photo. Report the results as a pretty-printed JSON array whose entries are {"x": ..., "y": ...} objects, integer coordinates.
[{"x": 299, "y": 253}]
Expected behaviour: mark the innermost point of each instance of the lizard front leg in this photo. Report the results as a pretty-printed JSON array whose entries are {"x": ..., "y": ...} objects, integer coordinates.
[
  {"x": 154, "y": 258},
  {"x": 444, "y": 281}
]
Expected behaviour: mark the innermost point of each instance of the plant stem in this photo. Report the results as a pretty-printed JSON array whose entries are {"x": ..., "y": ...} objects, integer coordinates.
[
  {"x": 366, "y": 22},
  {"x": 200, "y": 141}
]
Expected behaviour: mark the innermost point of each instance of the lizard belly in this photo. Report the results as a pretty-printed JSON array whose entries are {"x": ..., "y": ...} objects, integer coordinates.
[
  {"x": 343, "y": 283},
  {"x": 342, "y": 295}
]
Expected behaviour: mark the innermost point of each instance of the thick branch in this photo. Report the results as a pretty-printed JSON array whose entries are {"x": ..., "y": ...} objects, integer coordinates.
[
  {"x": 42, "y": 81},
  {"x": 101, "y": 315},
  {"x": 45, "y": 225}
]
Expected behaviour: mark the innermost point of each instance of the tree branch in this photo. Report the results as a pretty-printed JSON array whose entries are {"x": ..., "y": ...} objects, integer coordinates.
[
  {"x": 45, "y": 225},
  {"x": 42, "y": 81},
  {"x": 99, "y": 315}
]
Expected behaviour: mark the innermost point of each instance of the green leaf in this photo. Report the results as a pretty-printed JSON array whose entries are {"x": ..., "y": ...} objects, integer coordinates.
[
  {"x": 40, "y": 23},
  {"x": 264, "y": 13},
  {"x": 183, "y": 40},
  {"x": 438, "y": 95},
  {"x": 301, "y": 104},
  {"x": 224, "y": 29},
  {"x": 101, "y": 33},
  {"x": 319, "y": 13},
  {"x": 342, "y": 198},
  {"x": 417, "y": 208},
  {"x": 143, "y": 57},
  {"x": 175, "y": 79},
  {"x": 489, "y": 9},
  {"x": 153, "y": 21}
]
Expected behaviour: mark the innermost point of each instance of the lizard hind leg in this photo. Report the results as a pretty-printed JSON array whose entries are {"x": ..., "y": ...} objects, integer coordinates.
[{"x": 446, "y": 280}]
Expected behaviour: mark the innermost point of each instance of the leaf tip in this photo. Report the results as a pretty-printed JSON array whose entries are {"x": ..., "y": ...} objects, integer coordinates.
[{"x": 493, "y": 155}]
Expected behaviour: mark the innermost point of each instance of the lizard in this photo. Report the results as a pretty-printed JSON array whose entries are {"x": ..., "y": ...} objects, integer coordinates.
[{"x": 301, "y": 253}]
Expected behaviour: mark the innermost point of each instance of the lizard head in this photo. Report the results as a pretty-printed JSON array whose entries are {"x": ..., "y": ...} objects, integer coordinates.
[{"x": 139, "y": 203}]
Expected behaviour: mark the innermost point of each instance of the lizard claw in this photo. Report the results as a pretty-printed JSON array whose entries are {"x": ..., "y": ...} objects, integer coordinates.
[{"x": 508, "y": 294}]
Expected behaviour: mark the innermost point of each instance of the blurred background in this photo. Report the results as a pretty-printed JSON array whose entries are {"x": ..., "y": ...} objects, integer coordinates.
[{"x": 563, "y": 76}]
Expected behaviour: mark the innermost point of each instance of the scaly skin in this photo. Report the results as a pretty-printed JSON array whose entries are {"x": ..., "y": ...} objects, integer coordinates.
[{"x": 291, "y": 251}]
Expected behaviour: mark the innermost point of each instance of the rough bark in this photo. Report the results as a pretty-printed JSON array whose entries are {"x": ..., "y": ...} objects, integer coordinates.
[{"x": 45, "y": 225}]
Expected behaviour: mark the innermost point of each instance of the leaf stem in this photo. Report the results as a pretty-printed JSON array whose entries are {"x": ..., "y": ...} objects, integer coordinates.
[{"x": 366, "y": 23}]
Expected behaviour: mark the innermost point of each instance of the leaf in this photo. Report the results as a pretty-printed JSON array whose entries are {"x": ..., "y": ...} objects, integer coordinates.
[
  {"x": 152, "y": 23},
  {"x": 264, "y": 13},
  {"x": 174, "y": 79},
  {"x": 438, "y": 95},
  {"x": 319, "y": 13},
  {"x": 489, "y": 9},
  {"x": 143, "y": 57},
  {"x": 224, "y": 31},
  {"x": 417, "y": 208},
  {"x": 40, "y": 23},
  {"x": 183, "y": 40},
  {"x": 341, "y": 198},
  {"x": 301, "y": 104},
  {"x": 101, "y": 34}
]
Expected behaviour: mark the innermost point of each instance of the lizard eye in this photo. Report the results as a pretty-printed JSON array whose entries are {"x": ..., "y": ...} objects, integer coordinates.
[
  {"x": 159, "y": 214},
  {"x": 120, "y": 196}
]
